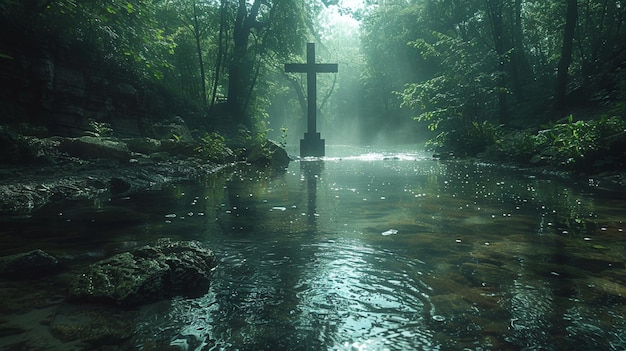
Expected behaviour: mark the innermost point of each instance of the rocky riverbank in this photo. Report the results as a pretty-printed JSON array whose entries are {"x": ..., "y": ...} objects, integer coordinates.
[
  {"x": 35, "y": 171},
  {"x": 55, "y": 301},
  {"x": 26, "y": 188}
]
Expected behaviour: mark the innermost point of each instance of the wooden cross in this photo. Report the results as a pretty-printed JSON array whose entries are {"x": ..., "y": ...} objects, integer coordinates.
[{"x": 312, "y": 144}]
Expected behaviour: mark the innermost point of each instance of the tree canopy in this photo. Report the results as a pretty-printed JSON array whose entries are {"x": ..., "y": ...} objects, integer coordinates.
[{"x": 465, "y": 68}]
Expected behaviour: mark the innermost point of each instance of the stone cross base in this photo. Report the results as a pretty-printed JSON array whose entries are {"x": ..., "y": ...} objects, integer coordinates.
[{"x": 312, "y": 145}]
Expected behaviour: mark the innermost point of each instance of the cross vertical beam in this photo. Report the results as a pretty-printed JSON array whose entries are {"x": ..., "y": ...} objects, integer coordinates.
[
  {"x": 312, "y": 144},
  {"x": 311, "y": 88}
]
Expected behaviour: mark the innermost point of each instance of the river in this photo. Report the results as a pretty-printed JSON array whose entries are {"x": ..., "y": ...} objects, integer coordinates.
[{"x": 367, "y": 249}]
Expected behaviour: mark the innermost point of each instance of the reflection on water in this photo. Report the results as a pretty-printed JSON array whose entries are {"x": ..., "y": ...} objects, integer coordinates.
[{"x": 382, "y": 251}]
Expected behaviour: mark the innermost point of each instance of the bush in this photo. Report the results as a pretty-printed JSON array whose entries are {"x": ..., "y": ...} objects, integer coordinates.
[
  {"x": 468, "y": 141},
  {"x": 213, "y": 148},
  {"x": 572, "y": 144}
]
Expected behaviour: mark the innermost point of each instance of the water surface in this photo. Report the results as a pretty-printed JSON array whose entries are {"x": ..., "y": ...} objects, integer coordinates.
[{"x": 369, "y": 249}]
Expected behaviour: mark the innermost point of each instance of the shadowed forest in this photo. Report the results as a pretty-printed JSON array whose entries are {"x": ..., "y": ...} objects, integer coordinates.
[{"x": 539, "y": 82}]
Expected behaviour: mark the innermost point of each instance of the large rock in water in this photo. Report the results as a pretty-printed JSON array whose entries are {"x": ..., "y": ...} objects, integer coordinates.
[
  {"x": 148, "y": 274},
  {"x": 27, "y": 265}
]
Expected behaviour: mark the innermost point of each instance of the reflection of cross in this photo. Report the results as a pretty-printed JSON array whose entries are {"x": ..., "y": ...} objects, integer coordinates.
[{"x": 311, "y": 145}]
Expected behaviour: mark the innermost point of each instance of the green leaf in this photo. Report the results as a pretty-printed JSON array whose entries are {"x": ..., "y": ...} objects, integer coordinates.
[{"x": 130, "y": 8}]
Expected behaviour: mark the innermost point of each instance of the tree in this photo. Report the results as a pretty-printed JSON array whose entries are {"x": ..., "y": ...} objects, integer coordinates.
[
  {"x": 221, "y": 52},
  {"x": 560, "y": 91},
  {"x": 264, "y": 33},
  {"x": 192, "y": 23},
  {"x": 197, "y": 34},
  {"x": 495, "y": 10},
  {"x": 240, "y": 71}
]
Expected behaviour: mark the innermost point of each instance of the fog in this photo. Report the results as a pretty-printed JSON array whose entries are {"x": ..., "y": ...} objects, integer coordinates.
[{"x": 345, "y": 115}]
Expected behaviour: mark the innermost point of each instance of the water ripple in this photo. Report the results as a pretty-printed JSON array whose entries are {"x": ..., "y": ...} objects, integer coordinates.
[
  {"x": 339, "y": 299},
  {"x": 360, "y": 306}
]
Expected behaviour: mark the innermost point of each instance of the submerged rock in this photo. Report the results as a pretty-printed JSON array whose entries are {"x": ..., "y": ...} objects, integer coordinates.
[
  {"x": 390, "y": 232},
  {"x": 90, "y": 147},
  {"x": 119, "y": 185},
  {"x": 269, "y": 154},
  {"x": 143, "y": 145},
  {"x": 95, "y": 326},
  {"x": 175, "y": 128},
  {"x": 165, "y": 269},
  {"x": 27, "y": 265}
]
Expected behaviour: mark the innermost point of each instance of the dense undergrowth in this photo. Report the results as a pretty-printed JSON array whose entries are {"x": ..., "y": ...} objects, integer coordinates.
[{"x": 589, "y": 145}]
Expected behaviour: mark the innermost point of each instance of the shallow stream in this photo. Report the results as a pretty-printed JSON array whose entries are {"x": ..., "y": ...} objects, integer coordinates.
[{"x": 367, "y": 249}]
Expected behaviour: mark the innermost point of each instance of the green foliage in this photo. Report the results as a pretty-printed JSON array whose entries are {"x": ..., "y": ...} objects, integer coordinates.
[
  {"x": 184, "y": 44},
  {"x": 572, "y": 140},
  {"x": 287, "y": 21},
  {"x": 118, "y": 35},
  {"x": 212, "y": 147},
  {"x": 243, "y": 141},
  {"x": 100, "y": 128},
  {"x": 265, "y": 34},
  {"x": 519, "y": 146},
  {"x": 466, "y": 141},
  {"x": 477, "y": 61},
  {"x": 389, "y": 63},
  {"x": 573, "y": 144},
  {"x": 459, "y": 100}
]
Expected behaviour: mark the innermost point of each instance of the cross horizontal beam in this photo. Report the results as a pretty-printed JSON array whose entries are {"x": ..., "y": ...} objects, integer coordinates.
[{"x": 314, "y": 68}]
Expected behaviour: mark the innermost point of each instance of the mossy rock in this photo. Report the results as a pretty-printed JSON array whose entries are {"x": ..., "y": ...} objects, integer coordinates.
[
  {"x": 270, "y": 154},
  {"x": 148, "y": 274}
]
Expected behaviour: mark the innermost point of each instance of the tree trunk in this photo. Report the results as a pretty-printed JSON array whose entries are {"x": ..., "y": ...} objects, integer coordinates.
[
  {"x": 241, "y": 70},
  {"x": 220, "y": 52},
  {"x": 560, "y": 91},
  {"x": 495, "y": 11},
  {"x": 520, "y": 68},
  {"x": 196, "y": 34}
]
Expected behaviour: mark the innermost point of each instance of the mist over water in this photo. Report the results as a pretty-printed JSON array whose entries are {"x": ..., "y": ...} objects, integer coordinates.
[{"x": 349, "y": 110}]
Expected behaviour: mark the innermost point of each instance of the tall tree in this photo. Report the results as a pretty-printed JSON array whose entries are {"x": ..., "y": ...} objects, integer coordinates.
[
  {"x": 221, "y": 51},
  {"x": 495, "y": 12},
  {"x": 560, "y": 90},
  {"x": 520, "y": 68},
  {"x": 264, "y": 33},
  {"x": 197, "y": 33},
  {"x": 240, "y": 70}
]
